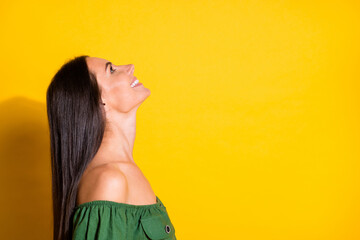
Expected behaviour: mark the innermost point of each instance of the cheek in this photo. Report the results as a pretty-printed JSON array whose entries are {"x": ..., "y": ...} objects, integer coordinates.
[
  {"x": 122, "y": 97},
  {"x": 119, "y": 90}
]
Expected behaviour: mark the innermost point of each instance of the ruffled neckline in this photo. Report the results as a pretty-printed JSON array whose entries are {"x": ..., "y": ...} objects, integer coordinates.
[{"x": 117, "y": 204}]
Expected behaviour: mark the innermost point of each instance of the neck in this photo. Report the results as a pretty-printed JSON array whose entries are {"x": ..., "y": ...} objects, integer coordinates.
[{"x": 119, "y": 137}]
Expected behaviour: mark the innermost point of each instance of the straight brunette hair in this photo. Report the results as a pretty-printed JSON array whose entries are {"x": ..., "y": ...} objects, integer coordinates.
[{"x": 77, "y": 123}]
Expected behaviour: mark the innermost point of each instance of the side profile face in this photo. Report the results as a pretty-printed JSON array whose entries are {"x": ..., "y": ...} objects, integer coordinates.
[{"x": 115, "y": 82}]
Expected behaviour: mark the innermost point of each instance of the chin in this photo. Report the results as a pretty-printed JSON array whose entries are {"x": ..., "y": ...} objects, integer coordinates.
[{"x": 147, "y": 93}]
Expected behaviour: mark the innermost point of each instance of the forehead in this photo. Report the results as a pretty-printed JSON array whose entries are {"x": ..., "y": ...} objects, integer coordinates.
[{"x": 96, "y": 64}]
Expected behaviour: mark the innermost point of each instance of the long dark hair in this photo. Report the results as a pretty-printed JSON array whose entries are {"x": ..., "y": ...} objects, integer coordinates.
[{"x": 77, "y": 123}]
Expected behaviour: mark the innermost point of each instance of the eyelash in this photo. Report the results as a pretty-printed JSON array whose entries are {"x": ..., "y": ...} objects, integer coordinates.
[{"x": 112, "y": 69}]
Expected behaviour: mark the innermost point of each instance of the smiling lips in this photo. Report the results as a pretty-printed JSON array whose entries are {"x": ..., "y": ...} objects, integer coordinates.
[{"x": 135, "y": 83}]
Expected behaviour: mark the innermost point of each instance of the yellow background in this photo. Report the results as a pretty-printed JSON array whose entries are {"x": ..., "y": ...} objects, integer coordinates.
[{"x": 251, "y": 130}]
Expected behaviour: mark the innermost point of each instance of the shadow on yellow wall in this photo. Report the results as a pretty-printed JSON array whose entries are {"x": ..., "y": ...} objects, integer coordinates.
[{"x": 25, "y": 172}]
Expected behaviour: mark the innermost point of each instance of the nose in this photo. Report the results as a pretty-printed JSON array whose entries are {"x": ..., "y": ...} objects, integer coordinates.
[{"x": 131, "y": 69}]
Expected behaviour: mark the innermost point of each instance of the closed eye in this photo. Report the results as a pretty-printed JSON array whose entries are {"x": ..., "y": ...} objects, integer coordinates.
[{"x": 111, "y": 69}]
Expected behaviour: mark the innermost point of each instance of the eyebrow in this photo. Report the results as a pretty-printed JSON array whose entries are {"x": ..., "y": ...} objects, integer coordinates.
[{"x": 106, "y": 65}]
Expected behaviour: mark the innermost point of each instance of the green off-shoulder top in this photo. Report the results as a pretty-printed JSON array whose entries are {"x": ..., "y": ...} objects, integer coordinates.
[{"x": 102, "y": 219}]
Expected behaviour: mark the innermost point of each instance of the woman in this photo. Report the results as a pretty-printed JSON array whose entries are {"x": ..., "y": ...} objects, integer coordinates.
[{"x": 98, "y": 191}]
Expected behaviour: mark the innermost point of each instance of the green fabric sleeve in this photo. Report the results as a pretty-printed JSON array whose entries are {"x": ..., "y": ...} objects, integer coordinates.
[
  {"x": 101, "y": 219},
  {"x": 99, "y": 223}
]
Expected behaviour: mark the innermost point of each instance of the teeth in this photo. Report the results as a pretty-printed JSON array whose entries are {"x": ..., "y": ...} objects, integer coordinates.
[{"x": 134, "y": 83}]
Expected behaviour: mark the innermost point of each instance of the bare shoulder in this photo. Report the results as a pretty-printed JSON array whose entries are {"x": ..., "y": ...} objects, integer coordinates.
[{"x": 103, "y": 183}]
